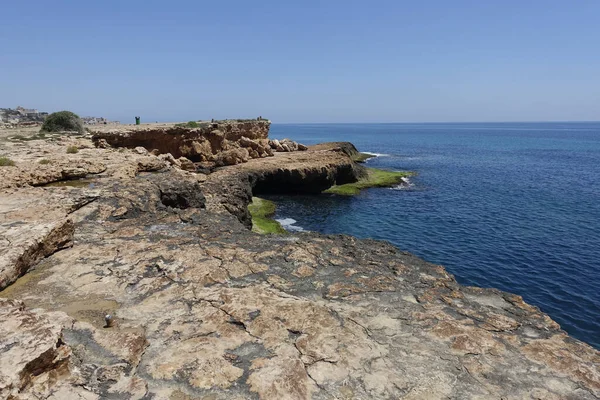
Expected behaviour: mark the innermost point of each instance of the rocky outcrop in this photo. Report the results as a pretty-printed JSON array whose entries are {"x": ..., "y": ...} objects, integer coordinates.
[
  {"x": 344, "y": 147},
  {"x": 221, "y": 141},
  {"x": 218, "y": 143},
  {"x": 286, "y": 145},
  {"x": 205, "y": 308},
  {"x": 290, "y": 173}
]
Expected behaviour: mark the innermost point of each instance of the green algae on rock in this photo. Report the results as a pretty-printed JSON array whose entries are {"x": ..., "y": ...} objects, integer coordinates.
[
  {"x": 261, "y": 211},
  {"x": 375, "y": 178}
]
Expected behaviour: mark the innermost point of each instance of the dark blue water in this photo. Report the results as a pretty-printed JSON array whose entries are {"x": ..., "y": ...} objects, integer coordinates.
[{"x": 510, "y": 206}]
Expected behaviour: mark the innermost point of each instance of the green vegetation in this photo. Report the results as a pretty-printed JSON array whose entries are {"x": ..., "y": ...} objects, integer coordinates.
[
  {"x": 262, "y": 210},
  {"x": 63, "y": 121},
  {"x": 72, "y": 150},
  {"x": 6, "y": 162},
  {"x": 189, "y": 124},
  {"x": 375, "y": 178},
  {"x": 44, "y": 161}
]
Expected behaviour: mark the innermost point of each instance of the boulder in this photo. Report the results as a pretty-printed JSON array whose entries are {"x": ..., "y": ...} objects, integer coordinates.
[
  {"x": 102, "y": 144},
  {"x": 245, "y": 142},
  {"x": 289, "y": 144},
  {"x": 141, "y": 150},
  {"x": 186, "y": 164},
  {"x": 170, "y": 159},
  {"x": 286, "y": 145},
  {"x": 232, "y": 157},
  {"x": 202, "y": 150}
]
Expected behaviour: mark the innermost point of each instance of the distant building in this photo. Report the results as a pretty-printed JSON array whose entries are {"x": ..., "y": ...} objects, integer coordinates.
[
  {"x": 21, "y": 115},
  {"x": 27, "y": 111},
  {"x": 94, "y": 120}
]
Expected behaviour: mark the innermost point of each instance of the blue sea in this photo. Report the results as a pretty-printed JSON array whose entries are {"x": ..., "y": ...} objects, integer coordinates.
[{"x": 514, "y": 206}]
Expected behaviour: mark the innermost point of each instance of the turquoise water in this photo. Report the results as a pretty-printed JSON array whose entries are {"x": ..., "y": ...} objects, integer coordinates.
[{"x": 512, "y": 206}]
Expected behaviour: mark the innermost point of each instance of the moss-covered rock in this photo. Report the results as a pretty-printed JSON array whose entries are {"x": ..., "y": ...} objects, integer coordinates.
[
  {"x": 261, "y": 211},
  {"x": 375, "y": 178}
]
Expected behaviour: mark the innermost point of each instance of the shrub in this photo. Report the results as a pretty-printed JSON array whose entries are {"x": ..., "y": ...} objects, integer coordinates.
[
  {"x": 63, "y": 121},
  {"x": 189, "y": 124},
  {"x": 44, "y": 161},
  {"x": 72, "y": 150},
  {"x": 6, "y": 162}
]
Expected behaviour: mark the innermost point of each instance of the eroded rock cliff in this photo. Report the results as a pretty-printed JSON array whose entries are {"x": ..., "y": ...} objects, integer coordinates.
[
  {"x": 205, "y": 309},
  {"x": 221, "y": 143}
]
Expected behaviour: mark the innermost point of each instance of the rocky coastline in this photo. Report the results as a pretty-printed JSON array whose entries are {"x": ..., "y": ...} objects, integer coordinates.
[{"x": 201, "y": 307}]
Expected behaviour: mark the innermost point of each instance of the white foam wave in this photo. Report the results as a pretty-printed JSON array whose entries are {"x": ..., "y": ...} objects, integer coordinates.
[
  {"x": 375, "y": 154},
  {"x": 404, "y": 184},
  {"x": 289, "y": 225}
]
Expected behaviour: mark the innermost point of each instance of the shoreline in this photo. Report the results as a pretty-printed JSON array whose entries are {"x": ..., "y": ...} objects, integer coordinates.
[{"x": 194, "y": 293}]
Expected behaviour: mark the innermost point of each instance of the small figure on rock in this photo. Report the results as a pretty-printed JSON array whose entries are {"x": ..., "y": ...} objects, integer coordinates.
[{"x": 108, "y": 319}]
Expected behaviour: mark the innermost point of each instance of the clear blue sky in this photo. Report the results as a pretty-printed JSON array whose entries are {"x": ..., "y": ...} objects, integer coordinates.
[{"x": 304, "y": 61}]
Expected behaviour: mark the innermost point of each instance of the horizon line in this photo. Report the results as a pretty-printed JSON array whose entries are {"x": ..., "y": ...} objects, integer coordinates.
[{"x": 395, "y": 122}]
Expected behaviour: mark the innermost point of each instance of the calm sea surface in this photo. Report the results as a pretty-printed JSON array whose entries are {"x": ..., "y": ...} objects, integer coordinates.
[{"x": 513, "y": 206}]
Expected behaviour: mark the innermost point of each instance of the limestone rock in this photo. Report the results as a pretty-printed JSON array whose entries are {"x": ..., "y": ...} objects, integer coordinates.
[
  {"x": 245, "y": 142},
  {"x": 102, "y": 144},
  {"x": 27, "y": 243},
  {"x": 286, "y": 145},
  {"x": 168, "y": 157},
  {"x": 232, "y": 157},
  {"x": 186, "y": 164},
  {"x": 205, "y": 308},
  {"x": 33, "y": 354},
  {"x": 197, "y": 144},
  {"x": 202, "y": 149},
  {"x": 141, "y": 150}
]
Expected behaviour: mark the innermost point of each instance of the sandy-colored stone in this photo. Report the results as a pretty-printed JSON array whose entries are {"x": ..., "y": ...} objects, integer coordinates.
[{"x": 205, "y": 309}]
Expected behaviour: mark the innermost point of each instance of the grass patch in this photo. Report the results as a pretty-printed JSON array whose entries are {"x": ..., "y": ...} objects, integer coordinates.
[
  {"x": 6, "y": 162},
  {"x": 262, "y": 210},
  {"x": 375, "y": 178},
  {"x": 72, "y": 150},
  {"x": 44, "y": 161}
]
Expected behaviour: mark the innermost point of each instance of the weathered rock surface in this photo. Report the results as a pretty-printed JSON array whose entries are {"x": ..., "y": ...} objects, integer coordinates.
[
  {"x": 221, "y": 141},
  {"x": 344, "y": 147},
  {"x": 206, "y": 309},
  {"x": 33, "y": 357}
]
